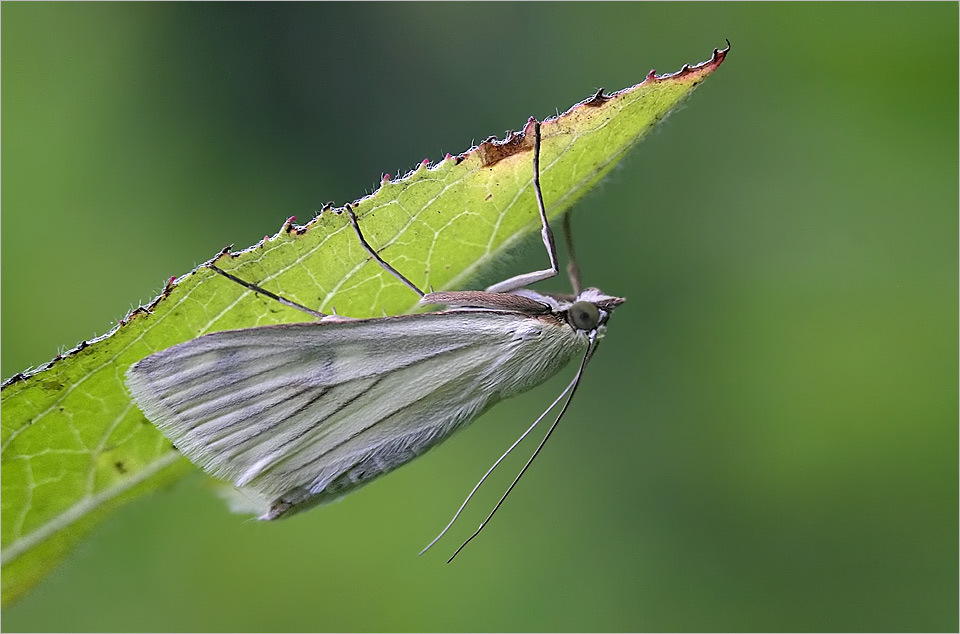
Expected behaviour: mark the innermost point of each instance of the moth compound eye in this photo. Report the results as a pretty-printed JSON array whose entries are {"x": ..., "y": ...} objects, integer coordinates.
[{"x": 583, "y": 316}]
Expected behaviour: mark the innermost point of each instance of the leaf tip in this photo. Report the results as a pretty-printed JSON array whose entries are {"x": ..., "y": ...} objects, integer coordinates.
[{"x": 703, "y": 68}]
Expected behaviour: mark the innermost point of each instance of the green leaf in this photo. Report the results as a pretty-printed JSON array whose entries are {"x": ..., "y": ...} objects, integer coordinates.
[{"x": 75, "y": 447}]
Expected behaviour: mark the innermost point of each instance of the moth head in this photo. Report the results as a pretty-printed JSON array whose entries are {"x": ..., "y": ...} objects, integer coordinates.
[{"x": 591, "y": 309}]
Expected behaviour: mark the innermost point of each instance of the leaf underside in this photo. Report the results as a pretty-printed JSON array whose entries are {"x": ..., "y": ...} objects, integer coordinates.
[{"x": 75, "y": 447}]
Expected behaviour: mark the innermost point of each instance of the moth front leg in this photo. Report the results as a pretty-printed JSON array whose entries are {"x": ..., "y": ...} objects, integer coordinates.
[{"x": 526, "y": 279}]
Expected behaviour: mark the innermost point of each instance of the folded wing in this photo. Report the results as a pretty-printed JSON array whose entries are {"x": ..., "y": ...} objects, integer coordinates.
[{"x": 305, "y": 412}]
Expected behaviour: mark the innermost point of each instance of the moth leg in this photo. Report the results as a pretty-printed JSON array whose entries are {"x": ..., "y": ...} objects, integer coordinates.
[
  {"x": 573, "y": 269},
  {"x": 363, "y": 242},
  {"x": 263, "y": 291},
  {"x": 526, "y": 279}
]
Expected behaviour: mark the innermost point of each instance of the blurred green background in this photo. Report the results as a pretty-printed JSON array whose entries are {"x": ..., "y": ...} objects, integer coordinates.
[{"x": 768, "y": 441}]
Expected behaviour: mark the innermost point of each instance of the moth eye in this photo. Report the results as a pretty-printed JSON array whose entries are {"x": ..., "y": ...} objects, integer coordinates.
[{"x": 583, "y": 316}]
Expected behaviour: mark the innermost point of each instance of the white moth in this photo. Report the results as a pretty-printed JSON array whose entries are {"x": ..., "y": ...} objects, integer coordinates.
[{"x": 301, "y": 414}]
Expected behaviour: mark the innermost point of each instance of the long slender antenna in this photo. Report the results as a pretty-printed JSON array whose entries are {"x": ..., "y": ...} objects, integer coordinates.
[
  {"x": 376, "y": 256},
  {"x": 573, "y": 269},
  {"x": 573, "y": 390},
  {"x": 263, "y": 291},
  {"x": 499, "y": 460}
]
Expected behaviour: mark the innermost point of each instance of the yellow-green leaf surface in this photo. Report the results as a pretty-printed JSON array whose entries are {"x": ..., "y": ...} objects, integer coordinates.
[{"x": 75, "y": 447}]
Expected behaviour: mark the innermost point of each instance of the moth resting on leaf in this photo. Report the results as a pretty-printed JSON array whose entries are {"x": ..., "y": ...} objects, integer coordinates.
[{"x": 301, "y": 414}]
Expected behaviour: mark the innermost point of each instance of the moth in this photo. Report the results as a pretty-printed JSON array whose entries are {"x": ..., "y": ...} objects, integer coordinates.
[{"x": 302, "y": 414}]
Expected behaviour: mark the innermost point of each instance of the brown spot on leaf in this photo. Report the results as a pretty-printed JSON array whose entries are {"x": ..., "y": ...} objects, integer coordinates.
[
  {"x": 140, "y": 310},
  {"x": 492, "y": 151},
  {"x": 120, "y": 467},
  {"x": 597, "y": 100},
  {"x": 224, "y": 253}
]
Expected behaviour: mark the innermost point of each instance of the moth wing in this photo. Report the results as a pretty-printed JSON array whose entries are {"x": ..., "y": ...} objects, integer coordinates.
[{"x": 301, "y": 410}]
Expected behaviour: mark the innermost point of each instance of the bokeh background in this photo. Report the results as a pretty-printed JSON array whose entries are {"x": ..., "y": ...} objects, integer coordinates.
[{"x": 768, "y": 441}]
